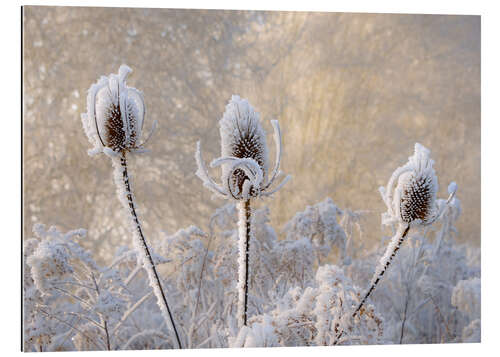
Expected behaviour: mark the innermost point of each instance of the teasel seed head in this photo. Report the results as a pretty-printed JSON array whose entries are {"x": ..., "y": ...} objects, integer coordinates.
[
  {"x": 418, "y": 198},
  {"x": 410, "y": 195},
  {"x": 115, "y": 115},
  {"x": 244, "y": 154},
  {"x": 242, "y": 137}
]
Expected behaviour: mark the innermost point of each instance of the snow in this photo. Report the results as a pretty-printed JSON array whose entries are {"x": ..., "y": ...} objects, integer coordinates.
[
  {"x": 390, "y": 251},
  {"x": 49, "y": 262},
  {"x": 249, "y": 166},
  {"x": 319, "y": 225},
  {"x": 312, "y": 316},
  {"x": 202, "y": 174},
  {"x": 109, "y": 305}
]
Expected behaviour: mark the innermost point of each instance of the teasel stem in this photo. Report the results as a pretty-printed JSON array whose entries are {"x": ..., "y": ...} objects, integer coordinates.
[
  {"x": 386, "y": 260},
  {"x": 245, "y": 232},
  {"x": 127, "y": 199}
]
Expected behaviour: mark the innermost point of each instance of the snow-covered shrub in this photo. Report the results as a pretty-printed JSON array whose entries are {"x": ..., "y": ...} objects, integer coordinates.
[
  {"x": 315, "y": 316},
  {"x": 84, "y": 306},
  {"x": 467, "y": 299},
  {"x": 61, "y": 288},
  {"x": 300, "y": 293},
  {"x": 288, "y": 281},
  {"x": 472, "y": 332},
  {"x": 318, "y": 224}
]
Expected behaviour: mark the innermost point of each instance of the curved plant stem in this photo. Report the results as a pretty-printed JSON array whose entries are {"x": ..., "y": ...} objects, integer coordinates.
[
  {"x": 405, "y": 315},
  {"x": 385, "y": 261},
  {"x": 105, "y": 328},
  {"x": 127, "y": 199},
  {"x": 70, "y": 326},
  {"x": 198, "y": 295},
  {"x": 244, "y": 230}
]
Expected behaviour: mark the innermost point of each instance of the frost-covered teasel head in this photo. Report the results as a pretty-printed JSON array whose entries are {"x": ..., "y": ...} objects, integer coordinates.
[
  {"x": 410, "y": 195},
  {"x": 115, "y": 115},
  {"x": 244, "y": 154},
  {"x": 242, "y": 137}
]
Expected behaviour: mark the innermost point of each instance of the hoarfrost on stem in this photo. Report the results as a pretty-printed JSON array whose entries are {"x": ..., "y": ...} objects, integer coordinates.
[{"x": 145, "y": 257}]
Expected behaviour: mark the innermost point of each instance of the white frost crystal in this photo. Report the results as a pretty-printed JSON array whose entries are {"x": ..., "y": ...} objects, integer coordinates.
[{"x": 54, "y": 256}]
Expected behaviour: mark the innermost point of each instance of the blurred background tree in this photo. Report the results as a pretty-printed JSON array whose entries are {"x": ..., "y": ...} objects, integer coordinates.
[{"x": 352, "y": 93}]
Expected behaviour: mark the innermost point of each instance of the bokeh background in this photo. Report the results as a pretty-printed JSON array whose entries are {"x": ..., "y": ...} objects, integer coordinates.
[{"x": 352, "y": 93}]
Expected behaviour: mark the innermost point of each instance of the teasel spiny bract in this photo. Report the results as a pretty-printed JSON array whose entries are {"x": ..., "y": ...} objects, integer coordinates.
[
  {"x": 114, "y": 123},
  {"x": 245, "y": 176}
]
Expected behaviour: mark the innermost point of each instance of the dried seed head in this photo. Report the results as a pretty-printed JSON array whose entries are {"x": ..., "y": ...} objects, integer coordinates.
[
  {"x": 244, "y": 155},
  {"x": 242, "y": 137},
  {"x": 413, "y": 199},
  {"x": 417, "y": 198},
  {"x": 115, "y": 113}
]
